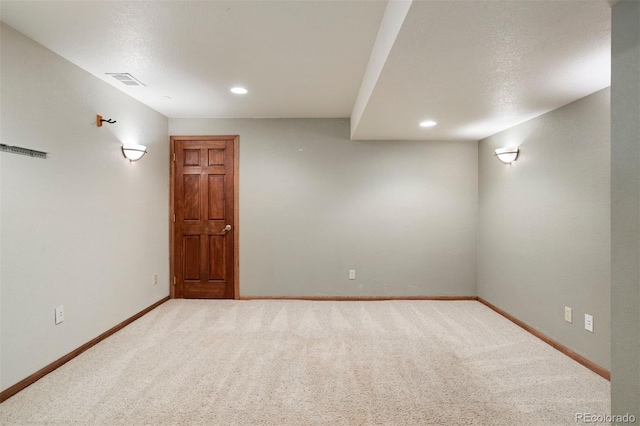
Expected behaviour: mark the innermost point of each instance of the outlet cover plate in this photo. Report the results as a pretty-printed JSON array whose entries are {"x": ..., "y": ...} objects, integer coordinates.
[
  {"x": 59, "y": 314},
  {"x": 588, "y": 322}
]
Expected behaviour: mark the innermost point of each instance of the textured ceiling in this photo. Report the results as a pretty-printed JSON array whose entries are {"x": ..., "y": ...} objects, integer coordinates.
[{"x": 476, "y": 67}]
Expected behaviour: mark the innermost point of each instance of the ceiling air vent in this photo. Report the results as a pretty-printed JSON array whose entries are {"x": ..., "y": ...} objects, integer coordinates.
[{"x": 126, "y": 79}]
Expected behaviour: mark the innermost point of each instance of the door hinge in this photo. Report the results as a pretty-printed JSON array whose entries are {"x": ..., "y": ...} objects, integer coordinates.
[
  {"x": 174, "y": 156},
  {"x": 174, "y": 280},
  {"x": 174, "y": 218}
]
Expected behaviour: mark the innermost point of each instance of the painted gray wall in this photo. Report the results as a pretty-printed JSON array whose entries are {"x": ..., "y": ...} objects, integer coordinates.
[
  {"x": 85, "y": 228},
  {"x": 314, "y": 204},
  {"x": 625, "y": 208},
  {"x": 544, "y": 224}
]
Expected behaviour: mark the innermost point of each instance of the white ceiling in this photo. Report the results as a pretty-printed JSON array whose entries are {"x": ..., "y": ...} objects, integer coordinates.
[{"x": 475, "y": 67}]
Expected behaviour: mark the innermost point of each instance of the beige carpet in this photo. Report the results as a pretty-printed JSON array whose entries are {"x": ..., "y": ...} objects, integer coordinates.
[{"x": 193, "y": 362}]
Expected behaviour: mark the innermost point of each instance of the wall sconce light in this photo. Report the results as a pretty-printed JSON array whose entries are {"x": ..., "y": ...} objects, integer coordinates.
[
  {"x": 507, "y": 155},
  {"x": 133, "y": 152}
]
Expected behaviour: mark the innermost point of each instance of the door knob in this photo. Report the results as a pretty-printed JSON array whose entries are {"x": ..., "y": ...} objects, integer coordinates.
[{"x": 227, "y": 228}]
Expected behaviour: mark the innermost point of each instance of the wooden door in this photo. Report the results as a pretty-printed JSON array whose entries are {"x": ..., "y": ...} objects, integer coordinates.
[{"x": 204, "y": 236}]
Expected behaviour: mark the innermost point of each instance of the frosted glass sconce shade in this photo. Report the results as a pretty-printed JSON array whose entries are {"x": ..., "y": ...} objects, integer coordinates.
[
  {"x": 507, "y": 155},
  {"x": 134, "y": 152}
]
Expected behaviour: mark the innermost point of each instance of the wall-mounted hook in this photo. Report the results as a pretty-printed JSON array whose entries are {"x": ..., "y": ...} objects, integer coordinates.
[{"x": 99, "y": 120}]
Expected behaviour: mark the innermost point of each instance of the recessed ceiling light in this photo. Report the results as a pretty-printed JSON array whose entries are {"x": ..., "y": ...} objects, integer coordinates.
[
  {"x": 428, "y": 123},
  {"x": 239, "y": 90}
]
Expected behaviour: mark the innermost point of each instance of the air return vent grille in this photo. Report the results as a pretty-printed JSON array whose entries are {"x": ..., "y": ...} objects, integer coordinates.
[{"x": 126, "y": 79}]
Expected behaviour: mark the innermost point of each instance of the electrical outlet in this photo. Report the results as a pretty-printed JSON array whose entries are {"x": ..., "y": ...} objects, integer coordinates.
[
  {"x": 59, "y": 314},
  {"x": 155, "y": 279},
  {"x": 568, "y": 317},
  {"x": 352, "y": 274},
  {"x": 588, "y": 322}
]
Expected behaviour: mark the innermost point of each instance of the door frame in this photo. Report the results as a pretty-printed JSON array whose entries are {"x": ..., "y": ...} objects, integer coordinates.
[{"x": 236, "y": 216}]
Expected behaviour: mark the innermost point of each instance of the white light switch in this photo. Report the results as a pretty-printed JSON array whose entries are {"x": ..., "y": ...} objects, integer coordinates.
[{"x": 568, "y": 317}]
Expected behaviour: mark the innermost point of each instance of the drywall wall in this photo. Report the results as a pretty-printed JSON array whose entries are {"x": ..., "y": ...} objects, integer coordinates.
[
  {"x": 544, "y": 224},
  {"x": 625, "y": 209},
  {"x": 394, "y": 15},
  {"x": 1, "y": 156},
  {"x": 314, "y": 204},
  {"x": 84, "y": 228}
]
